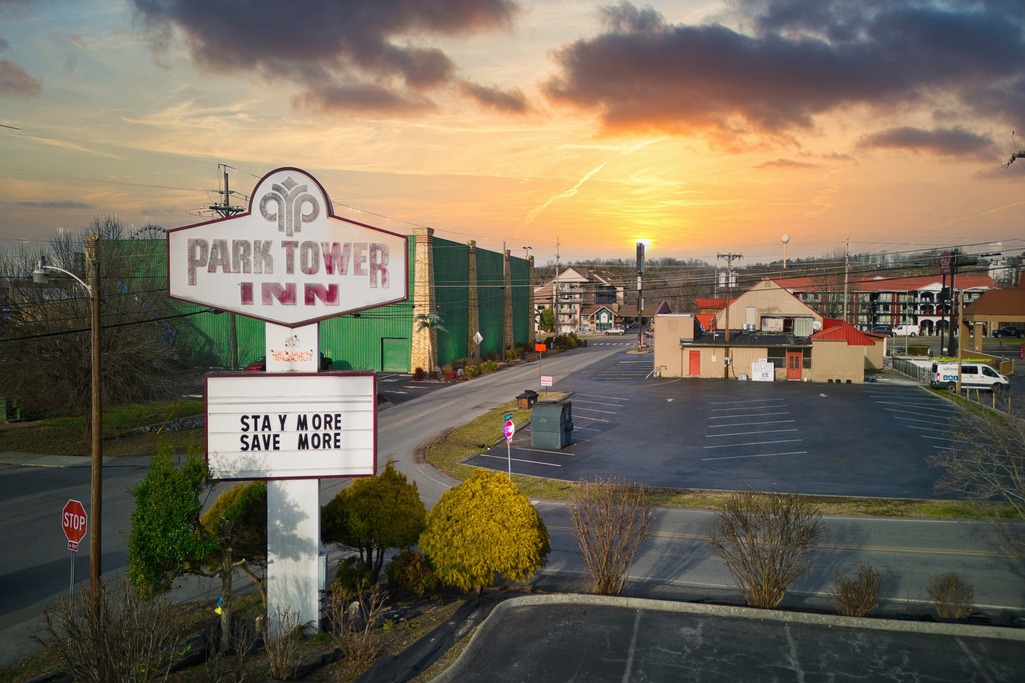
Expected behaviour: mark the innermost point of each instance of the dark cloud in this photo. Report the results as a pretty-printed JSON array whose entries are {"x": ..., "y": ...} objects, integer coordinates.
[
  {"x": 492, "y": 98},
  {"x": 797, "y": 61},
  {"x": 14, "y": 80},
  {"x": 954, "y": 142},
  {"x": 359, "y": 97},
  {"x": 55, "y": 204},
  {"x": 371, "y": 51}
]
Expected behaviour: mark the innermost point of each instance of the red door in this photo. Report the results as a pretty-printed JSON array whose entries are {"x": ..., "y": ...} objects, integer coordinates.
[
  {"x": 695, "y": 363},
  {"x": 794, "y": 365}
]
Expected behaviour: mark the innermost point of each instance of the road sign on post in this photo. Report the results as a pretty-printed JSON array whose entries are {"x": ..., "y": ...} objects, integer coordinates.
[{"x": 73, "y": 521}]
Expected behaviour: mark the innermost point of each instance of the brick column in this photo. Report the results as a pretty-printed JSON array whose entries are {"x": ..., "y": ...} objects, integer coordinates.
[
  {"x": 424, "y": 346},
  {"x": 473, "y": 310}
]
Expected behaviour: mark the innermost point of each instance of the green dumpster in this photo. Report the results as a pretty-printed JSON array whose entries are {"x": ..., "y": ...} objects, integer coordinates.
[{"x": 551, "y": 424}]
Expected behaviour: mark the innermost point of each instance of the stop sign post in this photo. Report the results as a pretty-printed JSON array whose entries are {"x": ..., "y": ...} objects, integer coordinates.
[
  {"x": 508, "y": 429},
  {"x": 73, "y": 521}
]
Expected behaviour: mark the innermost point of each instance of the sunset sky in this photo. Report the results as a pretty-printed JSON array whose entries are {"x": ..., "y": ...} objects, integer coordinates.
[{"x": 699, "y": 127}]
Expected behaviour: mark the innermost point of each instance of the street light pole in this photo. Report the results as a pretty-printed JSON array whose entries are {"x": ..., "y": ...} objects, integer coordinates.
[
  {"x": 39, "y": 275},
  {"x": 96, "y": 415}
]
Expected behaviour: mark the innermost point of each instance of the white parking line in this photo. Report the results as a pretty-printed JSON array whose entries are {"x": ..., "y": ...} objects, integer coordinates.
[
  {"x": 724, "y": 410},
  {"x": 529, "y": 462},
  {"x": 730, "y": 417},
  {"x": 921, "y": 406},
  {"x": 763, "y": 431},
  {"x": 601, "y": 403},
  {"x": 912, "y": 419},
  {"x": 748, "y": 400},
  {"x": 595, "y": 410},
  {"x": 760, "y": 455},
  {"x": 613, "y": 398},
  {"x": 753, "y": 443},
  {"x": 745, "y": 424},
  {"x": 593, "y": 419}
]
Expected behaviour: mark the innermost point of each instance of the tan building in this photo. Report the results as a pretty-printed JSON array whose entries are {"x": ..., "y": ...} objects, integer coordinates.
[
  {"x": 992, "y": 310},
  {"x": 765, "y": 334}
]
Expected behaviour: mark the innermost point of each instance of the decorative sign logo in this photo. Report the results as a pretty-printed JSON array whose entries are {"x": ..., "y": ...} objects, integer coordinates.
[
  {"x": 290, "y": 198},
  {"x": 256, "y": 264}
]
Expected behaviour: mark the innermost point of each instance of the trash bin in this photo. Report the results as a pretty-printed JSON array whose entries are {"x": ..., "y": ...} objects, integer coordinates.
[
  {"x": 527, "y": 399},
  {"x": 551, "y": 424}
]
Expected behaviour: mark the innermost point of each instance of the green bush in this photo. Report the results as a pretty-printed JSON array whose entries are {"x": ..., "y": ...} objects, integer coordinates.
[
  {"x": 488, "y": 366},
  {"x": 410, "y": 572},
  {"x": 352, "y": 576},
  {"x": 510, "y": 354},
  {"x": 472, "y": 371}
]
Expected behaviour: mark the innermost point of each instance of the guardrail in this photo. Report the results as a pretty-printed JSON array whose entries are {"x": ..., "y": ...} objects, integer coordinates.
[
  {"x": 994, "y": 399},
  {"x": 908, "y": 368}
]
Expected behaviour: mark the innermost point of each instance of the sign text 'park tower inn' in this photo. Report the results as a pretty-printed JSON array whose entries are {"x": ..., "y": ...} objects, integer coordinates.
[{"x": 289, "y": 259}]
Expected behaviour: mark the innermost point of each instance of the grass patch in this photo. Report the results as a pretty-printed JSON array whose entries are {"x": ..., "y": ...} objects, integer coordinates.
[{"x": 123, "y": 431}]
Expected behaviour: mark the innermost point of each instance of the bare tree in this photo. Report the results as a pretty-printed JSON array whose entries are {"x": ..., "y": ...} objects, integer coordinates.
[
  {"x": 856, "y": 594},
  {"x": 763, "y": 539},
  {"x": 986, "y": 463},
  {"x": 119, "y": 637},
  {"x": 44, "y": 341},
  {"x": 611, "y": 518}
]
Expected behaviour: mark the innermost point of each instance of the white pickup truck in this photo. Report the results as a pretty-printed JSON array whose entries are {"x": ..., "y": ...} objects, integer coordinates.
[{"x": 906, "y": 331}]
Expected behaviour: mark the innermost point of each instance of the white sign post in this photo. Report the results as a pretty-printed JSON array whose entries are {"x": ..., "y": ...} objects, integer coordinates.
[{"x": 290, "y": 262}]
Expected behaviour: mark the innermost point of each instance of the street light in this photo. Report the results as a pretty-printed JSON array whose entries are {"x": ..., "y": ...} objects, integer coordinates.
[{"x": 40, "y": 276}]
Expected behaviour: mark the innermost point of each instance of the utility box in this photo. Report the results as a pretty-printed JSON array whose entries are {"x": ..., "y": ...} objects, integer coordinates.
[
  {"x": 527, "y": 399},
  {"x": 551, "y": 424}
]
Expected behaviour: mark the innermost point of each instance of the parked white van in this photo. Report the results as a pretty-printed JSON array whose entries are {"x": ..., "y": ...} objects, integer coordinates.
[{"x": 973, "y": 375}]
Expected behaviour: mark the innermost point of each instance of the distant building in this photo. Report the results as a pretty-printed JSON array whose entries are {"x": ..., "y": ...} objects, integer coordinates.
[
  {"x": 764, "y": 333},
  {"x": 576, "y": 296},
  {"x": 924, "y": 301}
]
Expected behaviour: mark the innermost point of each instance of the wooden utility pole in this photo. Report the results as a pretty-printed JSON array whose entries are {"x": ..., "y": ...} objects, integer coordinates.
[{"x": 729, "y": 258}]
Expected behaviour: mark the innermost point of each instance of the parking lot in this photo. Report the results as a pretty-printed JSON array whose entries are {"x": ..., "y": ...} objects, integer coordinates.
[{"x": 826, "y": 439}]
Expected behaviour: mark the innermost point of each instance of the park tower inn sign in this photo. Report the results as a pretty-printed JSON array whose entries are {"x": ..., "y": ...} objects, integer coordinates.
[{"x": 288, "y": 260}]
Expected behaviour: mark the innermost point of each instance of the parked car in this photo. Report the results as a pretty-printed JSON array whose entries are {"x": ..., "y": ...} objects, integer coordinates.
[
  {"x": 1007, "y": 331},
  {"x": 973, "y": 375},
  {"x": 907, "y": 330},
  {"x": 882, "y": 329},
  {"x": 615, "y": 330}
]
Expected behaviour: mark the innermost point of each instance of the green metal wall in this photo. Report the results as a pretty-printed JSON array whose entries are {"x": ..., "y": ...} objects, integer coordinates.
[
  {"x": 523, "y": 327},
  {"x": 491, "y": 294},
  {"x": 451, "y": 298},
  {"x": 354, "y": 341}
]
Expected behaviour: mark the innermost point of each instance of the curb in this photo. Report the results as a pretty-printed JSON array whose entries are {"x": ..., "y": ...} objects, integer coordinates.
[{"x": 827, "y": 620}]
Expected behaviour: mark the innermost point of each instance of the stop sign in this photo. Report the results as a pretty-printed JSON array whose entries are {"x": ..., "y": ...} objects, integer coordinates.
[{"x": 73, "y": 520}]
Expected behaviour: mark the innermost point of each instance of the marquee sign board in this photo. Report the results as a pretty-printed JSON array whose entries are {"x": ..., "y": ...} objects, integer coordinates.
[
  {"x": 288, "y": 259},
  {"x": 291, "y": 425}
]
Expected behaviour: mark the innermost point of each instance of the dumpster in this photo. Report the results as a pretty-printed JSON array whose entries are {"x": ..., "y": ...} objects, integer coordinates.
[
  {"x": 527, "y": 399},
  {"x": 551, "y": 424}
]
